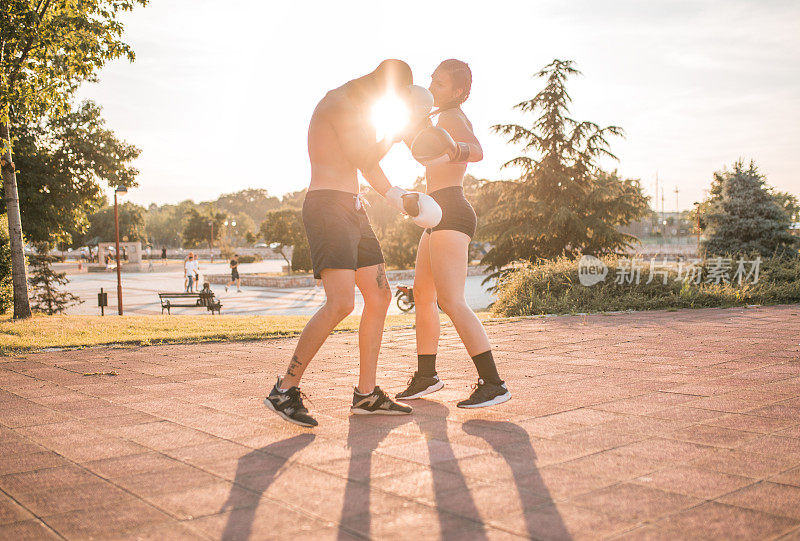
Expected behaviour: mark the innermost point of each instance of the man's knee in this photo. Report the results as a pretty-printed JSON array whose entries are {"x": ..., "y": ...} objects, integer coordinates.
[{"x": 379, "y": 298}]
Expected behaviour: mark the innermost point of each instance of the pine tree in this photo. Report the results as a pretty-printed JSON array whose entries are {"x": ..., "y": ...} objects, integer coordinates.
[
  {"x": 45, "y": 283},
  {"x": 743, "y": 217},
  {"x": 563, "y": 204}
]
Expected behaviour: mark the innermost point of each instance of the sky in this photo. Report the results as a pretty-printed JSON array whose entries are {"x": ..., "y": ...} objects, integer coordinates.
[{"x": 219, "y": 98}]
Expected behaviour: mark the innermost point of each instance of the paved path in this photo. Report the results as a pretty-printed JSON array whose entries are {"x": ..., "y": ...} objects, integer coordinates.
[
  {"x": 140, "y": 293},
  {"x": 659, "y": 425}
]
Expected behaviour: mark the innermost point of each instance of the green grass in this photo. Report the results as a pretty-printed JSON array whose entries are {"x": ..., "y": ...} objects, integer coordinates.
[{"x": 41, "y": 332}]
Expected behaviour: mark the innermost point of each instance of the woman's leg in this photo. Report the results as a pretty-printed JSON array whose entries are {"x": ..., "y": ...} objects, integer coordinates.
[
  {"x": 448, "y": 260},
  {"x": 426, "y": 312},
  {"x": 425, "y": 380},
  {"x": 449, "y": 265}
]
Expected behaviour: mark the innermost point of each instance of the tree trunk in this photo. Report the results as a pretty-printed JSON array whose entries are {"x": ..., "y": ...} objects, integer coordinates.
[{"x": 19, "y": 279}]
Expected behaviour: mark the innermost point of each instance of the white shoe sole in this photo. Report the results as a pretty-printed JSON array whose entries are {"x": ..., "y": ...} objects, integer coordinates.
[
  {"x": 359, "y": 411},
  {"x": 493, "y": 402},
  {"x": 284, "y": 416},
  {"x": 432, "y": 389}
]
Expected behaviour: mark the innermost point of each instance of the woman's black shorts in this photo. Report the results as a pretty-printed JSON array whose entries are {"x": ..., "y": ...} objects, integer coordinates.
[
  {"x": 457, "y": 213},
  {"x": 339, "y": 233}
]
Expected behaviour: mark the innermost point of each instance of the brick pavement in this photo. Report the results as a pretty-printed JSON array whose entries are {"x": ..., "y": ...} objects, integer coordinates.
[{"x": 656, "y": 425}]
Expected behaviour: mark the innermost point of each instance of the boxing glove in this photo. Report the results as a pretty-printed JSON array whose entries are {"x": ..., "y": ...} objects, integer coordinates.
[
  {"x": 434, "y": 146},
  {"x": 423, "y": 209},
  {"x": 419, "y": 101},
  {"x": 394, "y": 196}
]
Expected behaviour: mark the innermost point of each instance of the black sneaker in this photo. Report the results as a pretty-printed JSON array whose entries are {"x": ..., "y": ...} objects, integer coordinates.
[
  {"x": 486, "y": 394},
  {"x": 420, "y": 385},
  {"x": 289, "y": 405},
  {"x": 377, "y": 403}
]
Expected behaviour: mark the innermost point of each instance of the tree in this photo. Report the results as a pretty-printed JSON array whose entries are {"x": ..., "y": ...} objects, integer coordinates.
[
  {"x": 399, "y": 243},
  {"x": 293, "y": 199},
  {"x": 563, "y": 204},
  {"x": 131, "y": 224},
  {"x": 199, "y": 227},
  {"x": 284, "y": 227},
  {"x": 253, "y": 202},
  {"x": 789, "y": 203},
  {"x": 45, "y": 284},
  {"x": 47, "y": 48},
  {"x": 59, "y": 162},
  {"x": 743, "y": 217}
]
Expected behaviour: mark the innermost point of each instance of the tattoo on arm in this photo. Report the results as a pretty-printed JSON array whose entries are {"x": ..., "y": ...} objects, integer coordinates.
[
  {"x": 381, "y": 278},
  {"x": 294, "y": 365}
]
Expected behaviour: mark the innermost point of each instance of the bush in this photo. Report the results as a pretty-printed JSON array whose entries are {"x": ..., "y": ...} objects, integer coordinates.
[
  {"x": 6, "y": 291},
  {"x": 554, "y": 288},
  {"x": 249, "y": 258}
]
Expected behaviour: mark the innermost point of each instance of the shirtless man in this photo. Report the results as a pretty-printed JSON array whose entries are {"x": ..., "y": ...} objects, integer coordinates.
[{"x": 344, "y": 250}]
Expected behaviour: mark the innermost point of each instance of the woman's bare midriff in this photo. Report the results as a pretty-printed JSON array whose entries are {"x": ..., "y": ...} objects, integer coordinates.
[{"x": 444, "y": 176}]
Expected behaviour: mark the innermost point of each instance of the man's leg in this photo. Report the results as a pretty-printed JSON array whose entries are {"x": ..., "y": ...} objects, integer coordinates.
[
  {"x": 374, "y": 287},
  {"x": 339, "y": 287},
  {"x": 368, "y": 398}
]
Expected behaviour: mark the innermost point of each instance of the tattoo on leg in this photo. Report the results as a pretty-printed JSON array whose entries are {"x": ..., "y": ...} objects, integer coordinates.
[
  {"x": 294, "y": 365},
  {"x": 381, "y": 278}
]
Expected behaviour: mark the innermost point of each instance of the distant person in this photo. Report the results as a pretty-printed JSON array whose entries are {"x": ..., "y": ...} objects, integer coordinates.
[
  {"x": 164, "y": 255},
  {"x": 149, "y": 252},
  {"x": 188, "y": 272},
  {"x": 124, "y": 253},
  {"x": 235, "y": 275}
]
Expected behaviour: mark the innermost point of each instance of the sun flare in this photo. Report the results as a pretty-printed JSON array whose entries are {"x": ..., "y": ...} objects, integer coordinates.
[{"x": 389, "y": 116}]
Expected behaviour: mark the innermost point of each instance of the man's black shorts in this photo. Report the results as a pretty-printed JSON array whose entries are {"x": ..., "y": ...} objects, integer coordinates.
[{"x": 339, "y": 233}]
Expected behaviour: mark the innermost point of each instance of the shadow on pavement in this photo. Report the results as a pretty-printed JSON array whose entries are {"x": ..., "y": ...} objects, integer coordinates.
[
  {"x": 256, "y": 470},
  {"x": 431, "y": 418},
  {"x": 364, "y": 435},
  {"x": 521, "y": 459}
]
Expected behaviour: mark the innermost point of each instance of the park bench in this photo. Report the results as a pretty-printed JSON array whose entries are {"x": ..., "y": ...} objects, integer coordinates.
[{"x": 190, "y": 300}]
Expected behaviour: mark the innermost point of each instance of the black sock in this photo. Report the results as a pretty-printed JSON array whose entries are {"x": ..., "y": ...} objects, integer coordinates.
[
  {"x": 487, "y": 370},
  {"x": 426, "y": 365}
]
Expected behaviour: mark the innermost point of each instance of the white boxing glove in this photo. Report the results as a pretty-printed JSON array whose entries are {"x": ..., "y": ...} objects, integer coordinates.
[
  {"x": 423, "y": 209},
  {"x": 394, "y": 196},
  {"x": 420, "y": 102}
]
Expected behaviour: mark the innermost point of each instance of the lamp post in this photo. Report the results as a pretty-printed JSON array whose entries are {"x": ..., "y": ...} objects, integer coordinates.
[{"x": 121, "y": 190}]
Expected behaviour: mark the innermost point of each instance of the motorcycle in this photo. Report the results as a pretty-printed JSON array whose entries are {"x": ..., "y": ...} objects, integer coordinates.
[{"x": 405, "y": 297}]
